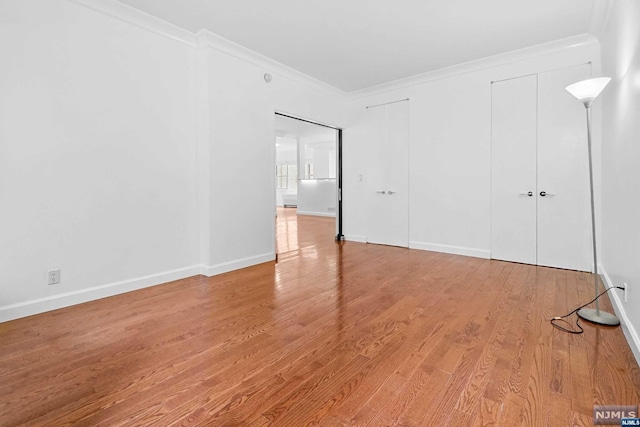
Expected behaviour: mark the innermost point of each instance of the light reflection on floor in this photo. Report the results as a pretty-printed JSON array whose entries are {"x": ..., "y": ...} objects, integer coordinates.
[
  {"x": 309, "y": 254},
  {"x": 303, "y": 237}
]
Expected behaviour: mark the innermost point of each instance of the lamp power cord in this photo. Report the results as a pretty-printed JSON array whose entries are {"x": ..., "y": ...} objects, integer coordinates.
[{"x": 579, "y": 329}]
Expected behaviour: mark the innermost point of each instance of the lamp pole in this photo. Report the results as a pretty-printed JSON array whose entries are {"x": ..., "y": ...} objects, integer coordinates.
[
  {"x": 587, "y": 107},
  {"x": 595, "y": 316}
]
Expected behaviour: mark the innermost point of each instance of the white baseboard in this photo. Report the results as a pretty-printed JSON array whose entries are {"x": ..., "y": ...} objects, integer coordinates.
[
  {"x": 355, "y": 238},
  {"x": 331, "y": 214},
  {"x": 54, "y": 302},
  {"x": 447, "y": 249},
  {"x": 627, "y": 327},
  {"x": 225, "y": 267}
]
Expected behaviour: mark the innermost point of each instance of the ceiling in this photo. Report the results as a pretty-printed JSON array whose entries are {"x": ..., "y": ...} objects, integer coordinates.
[{"x": 357, "y": 44}]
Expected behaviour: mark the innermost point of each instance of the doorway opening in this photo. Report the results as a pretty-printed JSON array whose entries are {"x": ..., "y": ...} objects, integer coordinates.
[{"x": 308, "y": 176}]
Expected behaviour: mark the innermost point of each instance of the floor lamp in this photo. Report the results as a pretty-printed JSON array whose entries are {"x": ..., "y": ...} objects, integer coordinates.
[{"x": 586, "y": 91}]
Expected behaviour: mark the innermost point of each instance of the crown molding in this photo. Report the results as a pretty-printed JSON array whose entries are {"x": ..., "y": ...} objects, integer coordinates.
[
  {"x": 479, "y": 64},
  {"x": 130, "y": 15},
  {"x": 203, "y": 38},
  {"x": 208, "y": 39}
]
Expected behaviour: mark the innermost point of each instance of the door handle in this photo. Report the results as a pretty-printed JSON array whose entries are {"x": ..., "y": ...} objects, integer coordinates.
[
  {"x": 530, "y": 194},
  {"x": 391, "y": 192},
  {"x": 544, "y": 194},
  {"x": 381, "y": 192}
]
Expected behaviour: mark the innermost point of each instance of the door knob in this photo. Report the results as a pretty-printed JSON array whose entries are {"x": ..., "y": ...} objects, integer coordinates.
[
  {"x": 391, "y": 192},
  {"x": 544, "y": 194},
  {"x": 530, "y": 194},
  {"x": 381, "y": 192}
]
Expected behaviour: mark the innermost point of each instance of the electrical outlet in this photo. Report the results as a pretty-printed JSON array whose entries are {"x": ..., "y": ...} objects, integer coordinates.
[
  {"x": 626, "y": 294},
  {"x": 54, "y": 277}
]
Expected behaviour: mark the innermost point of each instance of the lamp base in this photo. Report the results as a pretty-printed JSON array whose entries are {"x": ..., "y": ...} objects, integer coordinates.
[{"x": 602, "y": 318}]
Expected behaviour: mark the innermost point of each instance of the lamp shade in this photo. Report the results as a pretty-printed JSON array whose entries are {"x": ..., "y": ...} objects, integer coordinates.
[{"x": 588, "y": 90}]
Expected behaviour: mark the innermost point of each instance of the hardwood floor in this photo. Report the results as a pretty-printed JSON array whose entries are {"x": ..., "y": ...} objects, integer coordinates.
[
  {"x": 334, "y": 334},
  {"x": 294, "y": 232}
]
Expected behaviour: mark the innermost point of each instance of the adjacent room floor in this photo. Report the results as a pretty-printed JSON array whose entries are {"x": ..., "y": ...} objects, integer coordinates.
[{"x": 334, "y": 334}]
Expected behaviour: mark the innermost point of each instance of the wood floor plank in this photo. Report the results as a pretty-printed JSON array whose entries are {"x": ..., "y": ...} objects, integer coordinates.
[
  {"x": 559, "y": 410},
  {"x": 335, "y": 334},
  {"x": 581, "y": 381},
  {"x": 408, "y": 407},
  {"x": 489, "y": 413},
  {"x": 512, "y": 408}
]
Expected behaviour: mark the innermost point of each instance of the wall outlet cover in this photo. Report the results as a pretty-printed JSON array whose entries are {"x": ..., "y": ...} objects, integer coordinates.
[{"x": 53, "y": 277}]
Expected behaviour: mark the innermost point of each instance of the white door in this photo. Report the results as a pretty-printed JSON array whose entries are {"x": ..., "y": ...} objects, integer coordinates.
[
  {"x": 539, "y": 148},
  {"x": 388, "y": 174},
  {"x": 564, "y": 218},
  {"x": 513, "y": 170}
]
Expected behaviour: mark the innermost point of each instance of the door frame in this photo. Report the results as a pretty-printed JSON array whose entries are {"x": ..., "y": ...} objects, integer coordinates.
[{"x": 339, "y": 221}]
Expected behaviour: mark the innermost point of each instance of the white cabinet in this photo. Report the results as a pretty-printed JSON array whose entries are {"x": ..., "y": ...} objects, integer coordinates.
[{"x": 539, "y": 182}]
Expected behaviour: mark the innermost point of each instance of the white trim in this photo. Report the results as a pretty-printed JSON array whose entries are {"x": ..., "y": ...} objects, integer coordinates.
[
  {"x": 478, "y": 64},
  {"x": 148, "y": 22},
  {"x": 145, "y": 21},
  {"x": 214, "y": 41},
  {"x": 628, "y": 329},
  {"x": 448, "y": 249},
  {"x": 309, "y": 213},
  {"x": 355, "y": 238},
  {"x": 225, "y": 267},
  {"x": 54, "y": 302},
  {"x": 140, "y": 19}
]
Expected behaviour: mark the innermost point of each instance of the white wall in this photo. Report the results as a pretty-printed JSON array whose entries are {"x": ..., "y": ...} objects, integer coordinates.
[
  {"x": 620, "y": 158},
  {"x": 449, "y": 148},
  {"x": 242, "y": 107},
  {"x": 97, "y": 156}
]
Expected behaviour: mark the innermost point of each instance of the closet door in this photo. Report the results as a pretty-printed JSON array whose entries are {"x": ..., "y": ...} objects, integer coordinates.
[
  {"x": 388, "y": 172},
  {"x": 513, "y": 169},
  {"x": 564, "y": 219}
]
